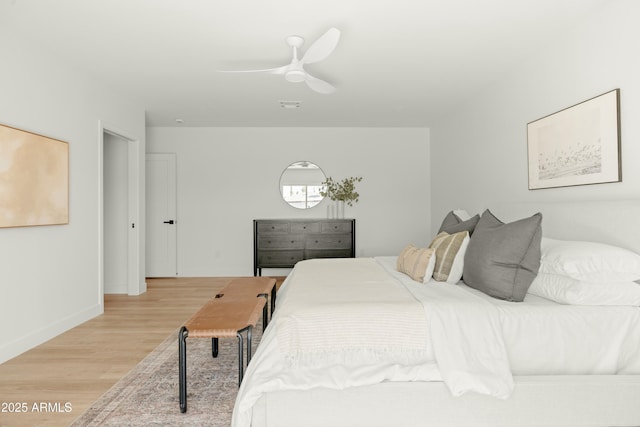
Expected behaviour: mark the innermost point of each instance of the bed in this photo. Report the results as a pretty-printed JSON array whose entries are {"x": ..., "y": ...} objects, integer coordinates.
[{"x": 355, "y": 342}]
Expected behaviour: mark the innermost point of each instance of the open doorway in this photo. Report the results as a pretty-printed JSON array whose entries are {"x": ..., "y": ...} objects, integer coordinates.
[{"x": 120, "y": 214}]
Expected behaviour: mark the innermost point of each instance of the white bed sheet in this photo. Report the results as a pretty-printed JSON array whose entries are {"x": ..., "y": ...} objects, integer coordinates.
[
  {"x": 547, "y": 338},
  {"x": 541, "y": 337}
]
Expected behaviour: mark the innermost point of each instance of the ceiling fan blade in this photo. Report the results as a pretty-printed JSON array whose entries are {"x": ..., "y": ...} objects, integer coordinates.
[
  {"x": 278, "y": 70},
  {"x": 322, "y": 47},
  {"x": 318, "y": 85}
]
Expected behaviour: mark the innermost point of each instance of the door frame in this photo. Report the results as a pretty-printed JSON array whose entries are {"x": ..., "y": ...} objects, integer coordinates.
[{"x": 135, "y": 285}]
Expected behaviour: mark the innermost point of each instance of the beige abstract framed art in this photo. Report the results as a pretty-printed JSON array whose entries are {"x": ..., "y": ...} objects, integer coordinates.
[
  {"x": 34, "y": 179},
  {"x": 579, "y": 145}
]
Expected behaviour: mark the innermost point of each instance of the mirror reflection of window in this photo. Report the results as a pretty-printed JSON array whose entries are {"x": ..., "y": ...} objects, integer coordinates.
[
  {"x": 302, "y": 196},
  {"x": 301, "y": 183}
]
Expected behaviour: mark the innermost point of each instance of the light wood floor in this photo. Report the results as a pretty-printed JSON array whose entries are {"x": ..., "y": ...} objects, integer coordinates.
[{"x": 77, "y": 367}]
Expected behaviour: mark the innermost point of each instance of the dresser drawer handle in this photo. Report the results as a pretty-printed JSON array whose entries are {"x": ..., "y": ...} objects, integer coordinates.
[
  {"x": 316, "y": 241},
  {"x": 293, "y": 241}
]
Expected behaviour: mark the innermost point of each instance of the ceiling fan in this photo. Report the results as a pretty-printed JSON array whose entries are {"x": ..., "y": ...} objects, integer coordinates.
[{"x": 295, "y": 72}]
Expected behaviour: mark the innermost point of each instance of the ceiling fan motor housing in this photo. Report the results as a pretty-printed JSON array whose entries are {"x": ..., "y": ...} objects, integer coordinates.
[{"x": 295, "y": 76}]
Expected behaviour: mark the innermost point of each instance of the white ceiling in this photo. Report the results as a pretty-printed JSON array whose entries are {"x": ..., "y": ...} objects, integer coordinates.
[{"x": 398, "y": 63}]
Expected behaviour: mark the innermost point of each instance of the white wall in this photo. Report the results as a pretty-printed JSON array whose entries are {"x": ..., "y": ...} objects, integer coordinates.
[
  {"x": 229, "y": 176},
  {"x": 480, "y": 150},
  {"x": 49, "y": 276}
]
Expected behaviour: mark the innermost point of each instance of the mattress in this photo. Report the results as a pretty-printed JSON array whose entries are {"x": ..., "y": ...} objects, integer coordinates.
[{"x": 534, "y": 337}]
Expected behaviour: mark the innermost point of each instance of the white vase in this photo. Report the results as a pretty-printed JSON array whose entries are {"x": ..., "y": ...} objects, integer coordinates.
[
  {"x": 331, "y": 211},
  {"x": 340, "y": 209}
]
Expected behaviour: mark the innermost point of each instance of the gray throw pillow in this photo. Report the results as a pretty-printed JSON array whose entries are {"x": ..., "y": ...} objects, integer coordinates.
[
  {"x": 452, "y": 224},
  {"x": 503, "y": 259}
]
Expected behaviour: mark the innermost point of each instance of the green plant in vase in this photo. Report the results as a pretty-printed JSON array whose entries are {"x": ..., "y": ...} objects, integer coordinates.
[{"x": 341, "y": 192}]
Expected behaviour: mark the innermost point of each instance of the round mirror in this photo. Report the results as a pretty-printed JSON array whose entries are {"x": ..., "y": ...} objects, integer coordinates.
[{"x": 300, "y": 185}]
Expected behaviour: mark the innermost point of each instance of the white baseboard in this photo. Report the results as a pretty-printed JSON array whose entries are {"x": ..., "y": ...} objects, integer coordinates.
[
  {"x": 143, "y": 287},
  {"x": 116, "y": 288},
  {"x": 123, "y": 289},
  {"x": 34, "y": 339}
]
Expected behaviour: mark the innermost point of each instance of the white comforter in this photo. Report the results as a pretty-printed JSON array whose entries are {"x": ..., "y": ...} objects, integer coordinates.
[
  {"x": 345, "y": 323},
  {"x": 468, "y": 340}
]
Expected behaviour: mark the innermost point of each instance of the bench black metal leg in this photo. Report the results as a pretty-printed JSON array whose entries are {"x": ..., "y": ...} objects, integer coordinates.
[
  {"x": 265, "y": 314},
  {"x": 249, "y": 344},
  {"x": 240, "y": 361},
  {"x": 182, "y": 367},
  {"x": 265, "y": 318},
  {"x": 273, "y": 299},
  {"x": 214, "y": 347}
]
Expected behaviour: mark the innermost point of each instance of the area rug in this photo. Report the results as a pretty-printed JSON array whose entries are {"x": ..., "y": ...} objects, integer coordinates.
[{"x": 148, "y": 395}]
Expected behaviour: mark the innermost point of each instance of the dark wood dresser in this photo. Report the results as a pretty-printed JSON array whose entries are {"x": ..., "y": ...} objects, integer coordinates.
[{"x": 281, "y": 243}]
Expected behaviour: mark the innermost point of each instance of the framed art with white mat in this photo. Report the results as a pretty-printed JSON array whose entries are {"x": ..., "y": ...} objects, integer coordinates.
[{"x": 576, "y": 146}]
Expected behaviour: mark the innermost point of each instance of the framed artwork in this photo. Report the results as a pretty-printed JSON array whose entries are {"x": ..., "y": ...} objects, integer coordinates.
[
  {"x": 34, "y": 179},
  {"x": 576, "y": 146}
]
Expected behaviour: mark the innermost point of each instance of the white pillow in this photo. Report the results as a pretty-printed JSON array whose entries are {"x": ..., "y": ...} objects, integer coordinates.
[
  {"x": 462, "y": 214},
  {"x": 566, "y": 290},
  {"x": 588, "y": 261}
]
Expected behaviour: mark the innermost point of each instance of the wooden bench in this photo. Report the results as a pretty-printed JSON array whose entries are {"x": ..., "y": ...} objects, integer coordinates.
[{"x": 234, "y": 310}]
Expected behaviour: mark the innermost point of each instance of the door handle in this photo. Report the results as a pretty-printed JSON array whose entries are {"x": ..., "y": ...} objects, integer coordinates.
[{"x": 169, "y": 222}]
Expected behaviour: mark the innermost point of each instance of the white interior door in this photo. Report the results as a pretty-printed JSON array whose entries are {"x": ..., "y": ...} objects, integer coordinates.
[
  {"x": 161, "y": 243},
  {"x": 116, "y": 214}
]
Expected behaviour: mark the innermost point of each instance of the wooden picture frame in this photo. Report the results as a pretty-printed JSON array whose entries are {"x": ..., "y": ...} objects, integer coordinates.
[
  {"x": 579, "y": 145},
  {"x": 34, "y": 179}
]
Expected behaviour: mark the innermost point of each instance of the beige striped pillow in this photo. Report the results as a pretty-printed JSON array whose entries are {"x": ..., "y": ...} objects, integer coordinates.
[
  {"x": 450, "y": 249},
  {"x": 417, "y": 263}
]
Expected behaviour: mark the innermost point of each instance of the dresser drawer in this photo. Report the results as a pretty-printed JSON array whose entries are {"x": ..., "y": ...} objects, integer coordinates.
[
  {"x": 328, "y": 253},
  {"x": 329, "y": 241},
  {"x": 336, "y": 227},
  {"x": 305, "y": 227},
  {"x": 279, "y": 258},
  {"x": 281, "y": 241},
  {"x": 273, "y": 227}
]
